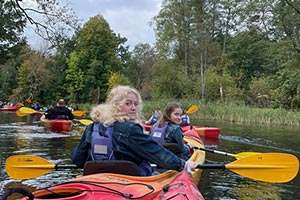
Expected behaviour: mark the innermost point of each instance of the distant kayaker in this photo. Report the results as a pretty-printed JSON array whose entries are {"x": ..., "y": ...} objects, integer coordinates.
[
  {"x": 185, "y": 119},
  {"x": 60, "y": 111},
  {"x": 116, "y": 135},
  {"x": 155, "y": 117},
  {"x": 167, "y": 129}
]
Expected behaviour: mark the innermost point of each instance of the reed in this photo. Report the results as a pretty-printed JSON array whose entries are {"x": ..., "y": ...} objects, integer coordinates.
[
  {"x": 226, "y": 111},
  {"x": 233, "y": 112}
]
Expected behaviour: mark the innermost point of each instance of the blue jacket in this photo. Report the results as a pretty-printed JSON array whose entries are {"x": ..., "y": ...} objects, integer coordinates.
[{"x": 129, "y": 143}]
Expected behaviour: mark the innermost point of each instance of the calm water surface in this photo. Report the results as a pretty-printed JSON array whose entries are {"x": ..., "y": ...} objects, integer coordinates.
[{"x": 26, "y": 135}]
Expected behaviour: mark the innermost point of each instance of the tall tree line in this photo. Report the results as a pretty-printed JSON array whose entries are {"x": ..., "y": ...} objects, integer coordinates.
[{"x": 208, "y": 50}]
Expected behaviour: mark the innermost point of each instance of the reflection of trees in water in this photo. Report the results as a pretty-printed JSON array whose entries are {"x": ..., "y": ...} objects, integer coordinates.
[
  {"x": 7, "y": 117},
  {"x": 257, "y": 191}
]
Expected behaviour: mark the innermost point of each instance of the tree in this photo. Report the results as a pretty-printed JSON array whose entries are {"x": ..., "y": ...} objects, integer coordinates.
[
  {"x": 12, "y": 25},
  {"x": 50, "y": 20},
  {"x": 75, "y": 78},
  {"x": 98, "y": 55},
  {"x": 139, "y": 69},
  {"x": 33, "y": 75}
]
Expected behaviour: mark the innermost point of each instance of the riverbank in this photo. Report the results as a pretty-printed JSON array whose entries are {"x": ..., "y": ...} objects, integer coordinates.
[
  {"x": 236, "y": 113},
  {"x": 229, "y": 112}
]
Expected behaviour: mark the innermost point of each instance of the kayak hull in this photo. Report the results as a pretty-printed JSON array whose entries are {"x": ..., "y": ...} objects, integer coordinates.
[
  {"x": 10, "y": 108},
  {"x": 178, "y": 188},
  {"x": 209, "y": 132},
  {"x": 206, "y": 132},
  {"x": 57, "y": 125},
  {"x": 116, "y": 186}
]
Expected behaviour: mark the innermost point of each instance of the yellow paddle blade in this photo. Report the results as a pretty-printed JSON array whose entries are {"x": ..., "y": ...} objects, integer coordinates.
[
  {"x": 269, "y": 167},
  {"x": 27, "y": 110},
  {"x": 20, "y": 104},
  {"x": 20, "y": 114},
  {"x": 243, "y": 154},
  {"x": 192, "y": 109},
  {"x": 85, "y": 121},
  {"x": 78, "y": 113},
  {"x": 27, "y": 166}
]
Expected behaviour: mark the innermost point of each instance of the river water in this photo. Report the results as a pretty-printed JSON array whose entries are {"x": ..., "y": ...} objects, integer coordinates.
[{"x": 26, "y": 135}]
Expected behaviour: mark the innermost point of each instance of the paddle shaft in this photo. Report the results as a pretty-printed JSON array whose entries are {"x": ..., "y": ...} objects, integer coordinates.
[
  {"x": 211, "y": 166},
  {"x": 214, "y": 151},
  {"x": 57, "y": 167}
]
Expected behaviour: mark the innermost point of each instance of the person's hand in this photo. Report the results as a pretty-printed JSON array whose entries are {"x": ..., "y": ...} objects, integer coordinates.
[
  {"x": 190, "y": 145},
  {"x": 190, "y": 166}
]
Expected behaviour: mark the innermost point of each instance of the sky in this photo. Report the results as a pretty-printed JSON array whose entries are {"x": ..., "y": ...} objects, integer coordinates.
[{"x": 129, "y": 18}]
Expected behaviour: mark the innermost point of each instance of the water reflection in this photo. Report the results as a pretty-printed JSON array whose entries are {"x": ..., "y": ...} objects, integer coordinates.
[{"x": 257, "y": 191}]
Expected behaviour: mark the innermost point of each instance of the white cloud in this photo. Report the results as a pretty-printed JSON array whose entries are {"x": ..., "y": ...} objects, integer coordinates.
[{"x": 129, "y": 18}]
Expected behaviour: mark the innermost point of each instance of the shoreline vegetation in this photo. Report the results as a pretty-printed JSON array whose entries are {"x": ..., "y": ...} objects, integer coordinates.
[
  {"x": 234, "y": 112},
  {"x": 228, "y": 112}
]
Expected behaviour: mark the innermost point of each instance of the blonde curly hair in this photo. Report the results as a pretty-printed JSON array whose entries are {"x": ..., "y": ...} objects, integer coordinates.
[{"x": 109, "y": 112}]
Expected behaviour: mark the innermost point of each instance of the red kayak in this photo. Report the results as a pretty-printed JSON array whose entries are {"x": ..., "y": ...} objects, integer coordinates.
[
  {"x": 206, "y": 132},
  {"x": 57, "y": 125},
  {"x": 10, "y": 108},
  {"x": 169, "y": 185}
]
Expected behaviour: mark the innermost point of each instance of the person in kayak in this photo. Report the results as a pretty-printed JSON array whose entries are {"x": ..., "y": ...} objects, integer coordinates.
[
  {"x": 185, "y": 119},
  {"x": 155, "y": 117},
  {"x": 116, "y": 134},
  {"x": 167, "y": 129},
  {"x": 60, "y": 111}
]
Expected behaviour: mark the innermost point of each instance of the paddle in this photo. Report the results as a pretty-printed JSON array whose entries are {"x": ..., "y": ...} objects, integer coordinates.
[
  {"x": 85, "y": 121},
  {"x": 79, "y": 113},
  {"x": 237, "y": 156},
  {"x": 268, "y": 167},
  {"x": 192, "y": 109},
  {"x": 29, "y": 111},
  {"x": 20, "y": 104},
  {"x": 24, "y": 111},
  {"x": 29, "y": 166},
  {"x": 20, "y": 114}
]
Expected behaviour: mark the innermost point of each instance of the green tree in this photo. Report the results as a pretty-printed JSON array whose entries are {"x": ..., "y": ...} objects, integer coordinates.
[
  {"x": 12, "y": 24},
  {"x": 248, "y": 50},
  {"x": 98, "y": 52},
  {"x": 33, "y": 75},
  {"x": 75, "y": 78},
  {"x": 139, "y": 69}
]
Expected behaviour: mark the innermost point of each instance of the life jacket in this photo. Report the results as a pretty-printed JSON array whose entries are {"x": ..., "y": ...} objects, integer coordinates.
[
  {"x": 101, "y": 145},
  {"x": 154, "y": 119},
  {"x": 158, "y": 134},
  {"x": 102, "y": 148},
  {"x": 185, "y": 120}
]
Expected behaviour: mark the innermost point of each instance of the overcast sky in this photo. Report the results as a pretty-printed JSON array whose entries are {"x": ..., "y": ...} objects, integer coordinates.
[{"x": 129, "y": 18}]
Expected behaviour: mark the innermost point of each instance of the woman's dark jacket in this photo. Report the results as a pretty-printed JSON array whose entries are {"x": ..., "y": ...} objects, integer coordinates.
[{"x": 129, "y": 143}]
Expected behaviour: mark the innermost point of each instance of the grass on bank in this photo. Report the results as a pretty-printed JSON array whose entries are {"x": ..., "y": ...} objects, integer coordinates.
[{"x": 230, "y": 112}]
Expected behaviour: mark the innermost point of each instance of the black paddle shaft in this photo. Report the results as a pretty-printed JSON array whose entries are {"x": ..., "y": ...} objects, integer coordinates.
[
  {"x": 212, "y": 166},
  {"x": 65, "y": 167}
]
